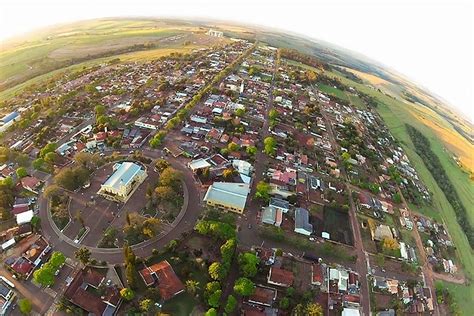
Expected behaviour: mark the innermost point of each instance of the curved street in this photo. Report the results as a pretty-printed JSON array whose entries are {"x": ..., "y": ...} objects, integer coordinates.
[{"x": 184, "y": 221}]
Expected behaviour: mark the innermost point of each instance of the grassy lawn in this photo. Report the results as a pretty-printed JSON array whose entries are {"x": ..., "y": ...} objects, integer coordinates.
[
  {"x": 180, "y": 305},
  {"x": 333, "y": 91},
  {"x": 464, "y": 296}
]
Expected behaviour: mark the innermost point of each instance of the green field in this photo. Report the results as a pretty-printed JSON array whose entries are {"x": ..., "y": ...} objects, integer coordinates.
[
  {"x": 333, "y": 91},
  {"x": 52, "y": 49}
]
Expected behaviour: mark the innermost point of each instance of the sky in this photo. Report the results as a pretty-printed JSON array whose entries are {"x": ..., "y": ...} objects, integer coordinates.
[{"x": 428, "y": 41}]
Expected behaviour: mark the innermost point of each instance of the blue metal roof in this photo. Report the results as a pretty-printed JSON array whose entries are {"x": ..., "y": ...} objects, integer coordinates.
[
  {"x": 124, "y": 173},
  {"x": 7, "y": 118}
]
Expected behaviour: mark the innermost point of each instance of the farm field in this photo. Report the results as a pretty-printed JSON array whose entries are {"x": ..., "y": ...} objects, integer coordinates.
[
  {"x": 133, "y": 56},
  {"x": 39, "y": 54}
]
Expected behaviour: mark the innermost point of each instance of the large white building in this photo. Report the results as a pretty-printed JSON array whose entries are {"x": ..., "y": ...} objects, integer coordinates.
[
  {"x": 229, "y": 196},
  {"x": 215, "y": 33},
  {"x": 123, "y": 182}
]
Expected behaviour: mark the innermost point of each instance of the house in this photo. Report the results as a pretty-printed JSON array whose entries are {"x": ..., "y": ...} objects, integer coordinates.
[
  {"x": 381, "y": 232},
  {"x": 126, "y": 178},
  {"x": 229, "y": 196},
  {"x": 198, "y": 164},
  {"x": 31, "y": 184},
  {"x": 365, "y": 201},
  {"x": 263, "y": 296},
  {"x": 272, "y": 216},
  {"x": 317, "y": 274},
  {"x": 280, "y": 277},
  {"x": 279, "y": 204},
  {"x": 302, "y": 224},
  {"x": 6, "y": 298},
  {"x": 163, "y": 275},
  {"x": 84, "y": 293}
]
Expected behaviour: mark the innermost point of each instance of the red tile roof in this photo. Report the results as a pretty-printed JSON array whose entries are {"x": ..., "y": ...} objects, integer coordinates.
[
  {"x": 168, "y": 282},
  {"x": 281, "y": 277},
  {"x": 263, "y": 296},
  {"x": 317, "y": 273},
  {"x": 30, "y": 182},
  {"x": 18, "y": 209},
  {"x": 22, "y": 266}
]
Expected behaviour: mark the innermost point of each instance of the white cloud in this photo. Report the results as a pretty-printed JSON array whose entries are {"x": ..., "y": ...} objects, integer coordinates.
[{"x": 429, "y": 41}]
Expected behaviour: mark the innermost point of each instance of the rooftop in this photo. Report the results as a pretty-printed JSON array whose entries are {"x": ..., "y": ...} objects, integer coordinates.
[
  {"x": 124, "y": 173},
  {"x": 232, "y": 195}
]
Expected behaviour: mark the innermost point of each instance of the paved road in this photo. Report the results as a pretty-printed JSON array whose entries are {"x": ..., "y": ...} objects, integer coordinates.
[
  {"x": 115, "y": 256},
  {"x": 40, "y": 300}
]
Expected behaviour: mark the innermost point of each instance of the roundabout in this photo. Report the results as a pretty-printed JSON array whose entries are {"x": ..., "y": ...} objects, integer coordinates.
[{"x": 98, "y": 222}]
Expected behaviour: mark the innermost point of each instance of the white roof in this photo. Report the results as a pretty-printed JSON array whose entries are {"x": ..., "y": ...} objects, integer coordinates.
[
  {"x": 242, "y": 166},
  {"x": 232, "y": 195},
  {"x": 24, "y": 217},
  {"x": 124, "y": 173},
  {"x": 350, "y": 312},
  {"x": 8, "y": 243},
  {"x": 198, "y": 164}
]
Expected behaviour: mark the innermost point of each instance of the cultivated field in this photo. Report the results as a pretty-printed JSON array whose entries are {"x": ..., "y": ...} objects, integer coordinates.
[{"x": 37, "y": 54}]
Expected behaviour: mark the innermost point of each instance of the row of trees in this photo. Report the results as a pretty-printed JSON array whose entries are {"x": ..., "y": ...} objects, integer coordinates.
[
  {"x": 45, "y": 275},
  {"x": 423, "y": 149}
]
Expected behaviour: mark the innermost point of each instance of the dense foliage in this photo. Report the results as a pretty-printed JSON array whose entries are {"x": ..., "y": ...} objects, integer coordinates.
[{"x": 423, "y": 149}]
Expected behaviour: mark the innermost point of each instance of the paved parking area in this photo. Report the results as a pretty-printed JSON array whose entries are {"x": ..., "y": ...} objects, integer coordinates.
[{"x": 98, "y": 213}]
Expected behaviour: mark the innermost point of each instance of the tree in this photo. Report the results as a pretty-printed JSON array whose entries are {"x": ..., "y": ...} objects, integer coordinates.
[
  {"x": 36, "y": 222},
  {"x": 227, "y": 250},
  {"x": 263, "y": 191},
  {"x": 52, "y": 191},
  {"x": 211, "y": 312},
  {"x": 233, "y": 146},
  {"x": 99, "y": 110},
  {"x": 44, "y": 276},
  {"x": 21, "y": 172},
  {"x": 161, "y": 164},
  {"x": 313, "y": 309},
  {"x": 50, "y": 147},
  {"x": 228, "y": 173},
  {"x": 83, "y": 254},
  {"x": 244, "y": 287},
  {"x": 231, "y": 304},
  {"x": 192, "y": 286},
  {"x": 38, "y": 163},
  {"x": 269, "y": 146},
  {"x": 284, "y": 303},
  {"x": 248, "y": 263},
  {"x": 390, "y": 244},
  {"x": 217, "y": 271},
  {"x": 170, "y": 177},
  {"x": 165, "y": 193},
  {"x": 57, "y": 260},
  {"x": 127, "y": 294},
  {"x": 25, "y": 306},
  {"x": 146, "y": 305},
  {"x": 50, "y": 157},
  {"x": 251, "y": 150},
  {"x": 214, "y": 298}
]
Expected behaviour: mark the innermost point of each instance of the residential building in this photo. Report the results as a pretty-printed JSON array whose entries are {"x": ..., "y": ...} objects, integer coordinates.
[
  {"x": 84, "y": 293},
  {"x": 166, "y": 280},
  {"x": 280, "y": 277},
  {"x": 302, "y": 224}
]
